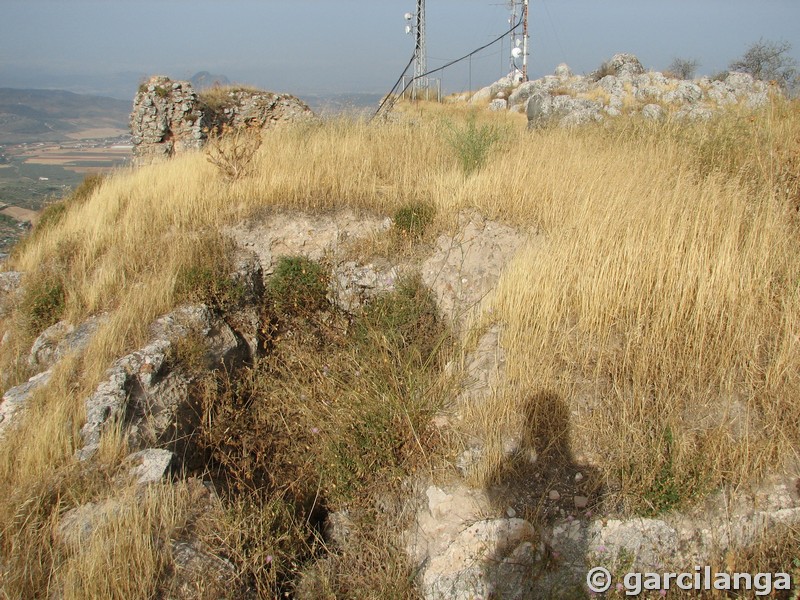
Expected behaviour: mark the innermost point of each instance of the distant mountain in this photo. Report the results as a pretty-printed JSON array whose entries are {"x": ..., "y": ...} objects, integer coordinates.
[
  {"x": 57, "y": 115},
  {"x": 204, "y": 80}
]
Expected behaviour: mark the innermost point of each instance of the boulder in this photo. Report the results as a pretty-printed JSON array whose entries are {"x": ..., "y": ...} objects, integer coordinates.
[
  {"x": 60, "y": 339},
  {"x": 149, "y": 465},
  {"x": 623, "y": 64},
  {"x": 652, "y": 112},
  {"x": 498, "y": 105},
  {"x": 563, "y": 71}
]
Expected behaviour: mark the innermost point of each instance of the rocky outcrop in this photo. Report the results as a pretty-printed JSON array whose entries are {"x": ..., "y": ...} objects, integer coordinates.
[
  {"x": 465, "y": 266},
  {"x": 621, "y": 84},
  {"x": 145, "y": 392},
  {"x": 169, "y": 117},
  {"x": 463, "y": 553}
]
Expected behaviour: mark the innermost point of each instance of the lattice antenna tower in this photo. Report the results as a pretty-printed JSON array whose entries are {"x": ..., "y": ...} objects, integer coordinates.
[
  {"x": 519, "y": 45},
  {"x": 421, "y": 62},
  {"x": 416, "y": 25}
]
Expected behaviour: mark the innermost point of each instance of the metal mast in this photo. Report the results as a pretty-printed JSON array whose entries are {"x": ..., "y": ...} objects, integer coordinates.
[
  {"x": 421, "y": 61},
  {"x": 525, "y": 42}
]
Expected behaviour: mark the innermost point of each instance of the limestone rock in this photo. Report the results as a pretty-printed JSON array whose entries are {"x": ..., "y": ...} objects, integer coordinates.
[
  {"x": 198, "y": 573},
  {"x": 652, "y": 112},
  {"x": 149, "y": 465},
  {"x": 353, "y": 284},
  {"x": 482, "y": 96},
  {"x": 625, "y": 64},
  {"x": 498, "y": 105},
  {"x": 302, "y": 234},
  {"x": 143, "y": 390},
  {"x": 465, "y": 266},
  {"x": 15, "y": 400},
  {"x": 60, "y": 339},
  {"x": 463, "y": 553},
  {"x": 563, "y": 71},
  {"x": 79, "y": 524},
  {"x": 491, "y": 558},
  {"x": 543, "y": 108}
]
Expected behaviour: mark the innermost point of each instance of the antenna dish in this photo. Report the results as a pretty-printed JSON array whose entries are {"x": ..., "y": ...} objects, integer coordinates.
[
  {"x": 408, "y": 29},
  {"x": 516, "y": 52},
  {"x": 408, "y": 16},
  {"x": 518, "y": 42}
]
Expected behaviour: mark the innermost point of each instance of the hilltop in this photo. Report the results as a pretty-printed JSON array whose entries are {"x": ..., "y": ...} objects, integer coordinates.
[{"x": 439, "y": 355}]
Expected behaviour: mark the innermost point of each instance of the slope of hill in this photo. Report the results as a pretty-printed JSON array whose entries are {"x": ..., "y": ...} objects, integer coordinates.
[{"x": 57, "y": 115}]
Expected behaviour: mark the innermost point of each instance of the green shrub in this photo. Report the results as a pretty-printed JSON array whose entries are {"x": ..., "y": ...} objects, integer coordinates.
[
  {"x": 207, "y": 276},
  {"x": 43, "y": 302},
  {"x": 405, "y": 318},
  {"x": 472, "y": 142},
  {"x": 413, "y": 220},
  {"x": 299, "y": 285}
]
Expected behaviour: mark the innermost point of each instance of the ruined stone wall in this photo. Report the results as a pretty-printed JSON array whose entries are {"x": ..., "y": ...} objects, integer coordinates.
[{"x": 169, "y": 117}]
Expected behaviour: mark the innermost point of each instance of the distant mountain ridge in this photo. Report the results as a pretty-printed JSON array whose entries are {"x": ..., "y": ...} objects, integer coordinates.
[{"x": 39, "y": 115}]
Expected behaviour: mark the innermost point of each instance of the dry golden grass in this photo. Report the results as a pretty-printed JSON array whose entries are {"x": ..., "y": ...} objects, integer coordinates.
[{"x": 662, "y": 305}]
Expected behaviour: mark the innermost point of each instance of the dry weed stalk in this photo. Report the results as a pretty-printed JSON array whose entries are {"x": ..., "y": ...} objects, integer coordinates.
[{"x": 233, "y": 150}]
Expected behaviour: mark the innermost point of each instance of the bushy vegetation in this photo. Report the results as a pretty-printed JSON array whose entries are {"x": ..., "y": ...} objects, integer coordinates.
[
  {"x": 658, "y": 302},
  {"x": 471, "y": 142},
  {"x": 233, "y": 151},
  {"x": 769, "y": 61},
  {"x": 683, "y": 68},
  {"x": 413, "y": 220},
  {"x": 298, "y": 286}
]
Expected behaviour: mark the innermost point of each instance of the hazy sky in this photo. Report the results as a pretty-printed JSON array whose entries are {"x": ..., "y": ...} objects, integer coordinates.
[{"x": 321, "y": 46}]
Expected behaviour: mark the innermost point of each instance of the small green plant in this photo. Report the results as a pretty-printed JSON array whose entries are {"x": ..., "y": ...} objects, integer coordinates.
[
  {"x": 298, "y": 286},
  {"x": 665, "y": 492},
  {"x": 233, "y": 150},
  {"x": 43, "y": 302},
  {"x": 472, "y": 143},
  {"x": 411, "y": 221},
  {"x": 161, "y": 91},
  {"x": 403, "y": 319},
  {"x": 207, "y": 277}
]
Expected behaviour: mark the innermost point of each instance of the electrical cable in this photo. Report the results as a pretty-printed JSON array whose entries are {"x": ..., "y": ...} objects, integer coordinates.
[
  {"x": 399, "y": 80},
  {"x": 443, "y": 67}
]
